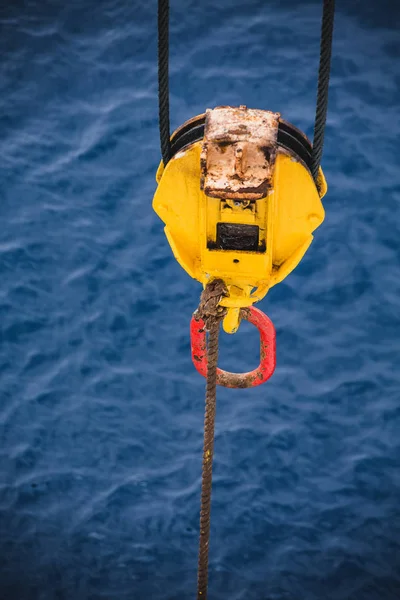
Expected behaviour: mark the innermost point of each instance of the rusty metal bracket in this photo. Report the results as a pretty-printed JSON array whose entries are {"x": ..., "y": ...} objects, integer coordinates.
[{"x": 238, "y": 153}]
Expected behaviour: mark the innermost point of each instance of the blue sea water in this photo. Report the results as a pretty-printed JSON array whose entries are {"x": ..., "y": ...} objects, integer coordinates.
[{"x": 101, "y": 410}]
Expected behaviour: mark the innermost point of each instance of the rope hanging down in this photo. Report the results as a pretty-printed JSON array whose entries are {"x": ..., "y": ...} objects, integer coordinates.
[
  {"x": 163, "y": 78},
  {"x": 323, "y": 85},
  {"x": 211, "y": 314}
]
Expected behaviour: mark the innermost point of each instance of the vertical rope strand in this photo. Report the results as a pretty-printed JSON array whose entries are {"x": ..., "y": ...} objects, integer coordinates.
[
  {"x": 208, "y": 453},
  {"x": 163, "y": 79},
  {"x": 323, "y": 85}
]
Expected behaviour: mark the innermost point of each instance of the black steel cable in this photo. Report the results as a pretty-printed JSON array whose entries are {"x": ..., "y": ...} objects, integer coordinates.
[
  {"x": 322, "y": 93},
  {"x": 323, "y": 85},
  {"x": 163, "y": 78}
]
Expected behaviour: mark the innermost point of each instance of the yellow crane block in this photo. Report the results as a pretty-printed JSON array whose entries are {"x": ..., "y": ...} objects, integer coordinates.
[{"x": 238, "y": 205}]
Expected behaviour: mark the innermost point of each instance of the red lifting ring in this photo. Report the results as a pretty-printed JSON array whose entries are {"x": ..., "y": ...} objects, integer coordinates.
[{"x": 238, "y": 380}]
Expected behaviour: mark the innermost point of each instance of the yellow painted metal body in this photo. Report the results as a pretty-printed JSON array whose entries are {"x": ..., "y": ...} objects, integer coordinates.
[{"x": 286, "y": 219}]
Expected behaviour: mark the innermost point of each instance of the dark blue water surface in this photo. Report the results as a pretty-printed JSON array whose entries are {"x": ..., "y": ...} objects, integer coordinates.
[{"x": 101, "y": 411}]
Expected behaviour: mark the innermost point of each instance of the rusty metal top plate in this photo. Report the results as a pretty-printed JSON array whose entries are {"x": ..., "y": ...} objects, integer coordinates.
[{"x": 238, "y": 153}]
